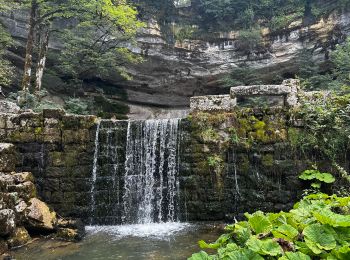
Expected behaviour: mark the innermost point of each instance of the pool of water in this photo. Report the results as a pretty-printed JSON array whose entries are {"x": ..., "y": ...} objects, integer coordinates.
[{"x": 151, "y": 241}]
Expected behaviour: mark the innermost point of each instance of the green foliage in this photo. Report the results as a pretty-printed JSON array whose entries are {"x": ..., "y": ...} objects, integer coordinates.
[
  {"x": 36, "y": 102},
  {"x": 259, "y": 223},
  {"x": 215, "y": 161},
  {"x": 97, "y": 44},
  {"x": 311, "y": 230},
  {"x": 275, "y": 14},
  {"x": 242, "y": 76},
  {"x": 249, "y": 40},
  {"x": 326, "y": 128},
  {"x": 336, "y": 78},
  {"x": 77, "y": 106},
  {"x": 317, "y": 177},
  {"x": 185, "y": 33}
]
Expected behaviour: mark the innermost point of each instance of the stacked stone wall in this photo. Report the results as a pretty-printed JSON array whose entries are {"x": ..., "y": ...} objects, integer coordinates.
[{"x": 58, "y": 150}]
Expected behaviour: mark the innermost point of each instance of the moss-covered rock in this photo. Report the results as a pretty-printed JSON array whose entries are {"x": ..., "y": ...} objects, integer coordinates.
[
  {"x": 19, "y": 237},
  {"x": 40, "y": 216}
]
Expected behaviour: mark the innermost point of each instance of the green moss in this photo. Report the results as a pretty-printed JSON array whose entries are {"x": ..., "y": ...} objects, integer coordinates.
[
  {"x": 267, "y": 160},
  {"x": 259, "y": 125},
  {"x": 243, "y": 163},
  {"x": 38, "y": 130},
  {"x": 209, "y": 135}
]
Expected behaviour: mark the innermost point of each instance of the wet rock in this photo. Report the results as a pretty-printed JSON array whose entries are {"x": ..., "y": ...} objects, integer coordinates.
[
  {"x": 68, "y": 234},
  {"x": 40, "y": 217},
  {"x": 3, "y": 246},
  {"x": 19, "y": 237},
  {"x": 66, "y": 227},
  {"x": 7, "y": 157},
  {"x": 7, "y": 222}
]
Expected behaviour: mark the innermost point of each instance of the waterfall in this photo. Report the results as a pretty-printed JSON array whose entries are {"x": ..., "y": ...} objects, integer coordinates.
[
  {"x": 94, "y": 172},
  {"x": 151, "y": 181},
  {"x": 135, "y": 172}
]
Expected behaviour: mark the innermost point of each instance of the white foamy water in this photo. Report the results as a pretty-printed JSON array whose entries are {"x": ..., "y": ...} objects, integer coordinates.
[{"x": 152, "y": 230}]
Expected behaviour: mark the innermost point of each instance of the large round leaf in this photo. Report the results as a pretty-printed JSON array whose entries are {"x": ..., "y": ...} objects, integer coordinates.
[
  {"x": 294, "y": 256},
  {"x": 260, "y": 223},
  {"x": 201, "y": 256},
  {"x": 264, "y": 247},
  {"x": 319, "y": 237},
  {"x": 286, "y": 232}
]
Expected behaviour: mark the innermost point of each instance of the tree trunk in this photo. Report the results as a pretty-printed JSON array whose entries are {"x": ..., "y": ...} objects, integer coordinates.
[
  {"x": 43, "y": 49},
  {"x": 29, "y": 48}
]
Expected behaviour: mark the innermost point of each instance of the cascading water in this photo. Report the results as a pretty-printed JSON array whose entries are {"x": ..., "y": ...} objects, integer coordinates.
[
  {"x": 135, "y": 179},
  {"x": 151, "y": 181}
]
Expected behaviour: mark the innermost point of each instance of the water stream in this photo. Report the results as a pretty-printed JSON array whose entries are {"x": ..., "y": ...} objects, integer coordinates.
[{"x": 135, "y": 179}]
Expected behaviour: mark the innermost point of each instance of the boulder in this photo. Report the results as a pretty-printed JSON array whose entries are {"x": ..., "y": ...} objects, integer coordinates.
[
  {"x": 7, "y": 222},
  {"x": 40, "y": 217},
  {"x": 8, "y": 107},
  {"x": 19, "y": 237}
]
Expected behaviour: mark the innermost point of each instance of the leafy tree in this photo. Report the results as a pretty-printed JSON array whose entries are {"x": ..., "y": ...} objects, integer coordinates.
[
  {"x": 336, "y": 78},
  {"x": 244, "y": 14},
  {"x": 111, "y": 15},
  {"x": 242, "y": 76},
  {"x": 98, "y": 45}
]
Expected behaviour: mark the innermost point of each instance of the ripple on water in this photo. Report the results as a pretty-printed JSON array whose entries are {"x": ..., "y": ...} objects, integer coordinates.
[{"x": 152, "y": 230}]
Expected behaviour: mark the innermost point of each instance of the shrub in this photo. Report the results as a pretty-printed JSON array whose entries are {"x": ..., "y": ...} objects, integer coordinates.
[
  {"x": 317, "y": 227},
  {"x": 77, "y": 106}
]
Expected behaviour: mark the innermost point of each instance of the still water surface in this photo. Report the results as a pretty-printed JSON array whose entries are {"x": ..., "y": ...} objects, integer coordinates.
[{"x": 150, "y": 241}]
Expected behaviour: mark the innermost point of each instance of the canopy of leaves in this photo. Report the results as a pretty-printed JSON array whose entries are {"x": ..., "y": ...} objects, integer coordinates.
[
  {"x": 303, "y": 233},
  {"x": 101, "y": 42}
]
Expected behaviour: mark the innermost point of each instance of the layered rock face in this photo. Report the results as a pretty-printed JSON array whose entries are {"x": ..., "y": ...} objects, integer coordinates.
[
  {"x": 172, "y": 73},
  {"x": 21, "y": 212}
]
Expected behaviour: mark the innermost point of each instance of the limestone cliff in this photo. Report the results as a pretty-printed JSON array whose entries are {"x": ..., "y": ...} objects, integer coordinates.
[{"x": 173, "y": 72}]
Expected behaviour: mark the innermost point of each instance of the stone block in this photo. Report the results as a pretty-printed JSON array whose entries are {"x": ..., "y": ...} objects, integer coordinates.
[
  {"x": 212, "y": 103},
  {"x": 64, "y": 159},
  {"x": 79, "y": 122},
  {"x": 53, "y": 113},
  {"x": 52, "y": 135},
  {"x": 8, "y": 157},
  {"x": 79, "y": 136},
  {"x": 289, "y": 90}
]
